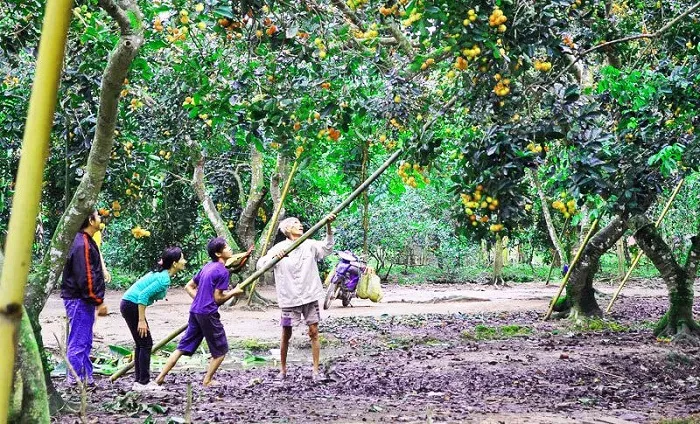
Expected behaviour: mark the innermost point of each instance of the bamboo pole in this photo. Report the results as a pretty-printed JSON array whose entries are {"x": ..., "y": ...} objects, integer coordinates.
[
  {"x": 25, "y": 203},
  {"x": 273, "y": 221},
  {"x": 640, "y": 253},
  {"x": 123, "y": 370},
  {"x": 294, "y": 245},
  {"x": 571, "y": 267}
]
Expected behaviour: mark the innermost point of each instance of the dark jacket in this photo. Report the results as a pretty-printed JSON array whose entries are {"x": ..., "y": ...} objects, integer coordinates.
[{"x": 82, "y": 275}]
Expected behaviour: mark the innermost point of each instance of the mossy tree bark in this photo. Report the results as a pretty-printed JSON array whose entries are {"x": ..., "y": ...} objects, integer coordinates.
[
  {"x": 580, "y": 295},
  {"x": 678, "y": 322}
]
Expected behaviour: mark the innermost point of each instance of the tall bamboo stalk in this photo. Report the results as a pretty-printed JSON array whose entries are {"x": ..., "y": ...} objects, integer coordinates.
[
  {"x": 25, "y": 204},
  {"x": 639, "y": 254},
  {"x": 571, "y": 267}
]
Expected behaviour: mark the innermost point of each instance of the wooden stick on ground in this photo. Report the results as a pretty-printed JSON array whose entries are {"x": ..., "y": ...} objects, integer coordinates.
[
  {"x": 639, "y": 254},
  {"x": 123, "y": 370},
  {"x": 571, "y": 267}
]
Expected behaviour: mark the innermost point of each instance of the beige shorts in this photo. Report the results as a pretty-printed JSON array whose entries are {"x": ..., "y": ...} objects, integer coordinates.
[{"x": 291, "y": 317}]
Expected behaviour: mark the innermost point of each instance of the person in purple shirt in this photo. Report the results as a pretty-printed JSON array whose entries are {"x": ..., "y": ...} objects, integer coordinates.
[{"x": 208, "y": 289}]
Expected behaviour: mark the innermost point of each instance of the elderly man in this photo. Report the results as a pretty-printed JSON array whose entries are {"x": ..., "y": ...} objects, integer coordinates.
[{"x": 298, "y": 285}]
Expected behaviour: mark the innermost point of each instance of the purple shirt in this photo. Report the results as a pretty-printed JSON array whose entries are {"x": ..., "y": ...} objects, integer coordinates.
[{"x": 213, "y": 276}]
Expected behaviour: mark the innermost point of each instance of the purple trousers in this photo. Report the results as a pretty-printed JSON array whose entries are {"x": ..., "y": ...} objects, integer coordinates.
[{"x": 81, "y": 317}]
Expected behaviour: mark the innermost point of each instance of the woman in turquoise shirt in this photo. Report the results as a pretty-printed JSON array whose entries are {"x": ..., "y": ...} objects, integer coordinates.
[{"x": 151, "y": 287}]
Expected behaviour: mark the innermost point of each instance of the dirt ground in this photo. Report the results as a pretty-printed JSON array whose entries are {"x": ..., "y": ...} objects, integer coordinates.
[{"x": 433, "y": 353}]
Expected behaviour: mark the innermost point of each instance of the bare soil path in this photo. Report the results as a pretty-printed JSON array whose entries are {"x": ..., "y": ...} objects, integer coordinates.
[{"x": 421, "y": 356}]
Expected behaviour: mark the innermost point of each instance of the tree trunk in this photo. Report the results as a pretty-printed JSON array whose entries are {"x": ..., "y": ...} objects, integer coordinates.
[
  {"x": 621, "y": 258},
  {"x": 678, "y": 322},
  {"x": 35, "y": 401},
  {"x": 245, "y": 228},
  {"x": 85, "y": 197},
  {"x": 580, "y": 295},
  {"x": 548, "y": 218},
  {"x": 497, "y": 261},
  {"x": 210, "y": 210}
]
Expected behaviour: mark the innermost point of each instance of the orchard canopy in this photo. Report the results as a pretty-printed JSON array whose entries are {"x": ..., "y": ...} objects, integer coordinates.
[{"x": 522, "y": 126}]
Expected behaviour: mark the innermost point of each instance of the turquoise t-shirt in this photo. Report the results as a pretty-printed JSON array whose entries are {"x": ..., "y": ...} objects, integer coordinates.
[{"x": 149, "y": 288}]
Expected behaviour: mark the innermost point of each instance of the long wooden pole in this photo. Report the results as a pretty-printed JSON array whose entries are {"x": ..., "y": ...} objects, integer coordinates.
[
  {"x": 273, "y": 221},
  {"x": 561, "y": 260},
  {"x": 640, "y": 253},
  {"x": 25, "y": 204},
  {"x": 294, "y": 245},
  {"x": 123, "y": 370},
  {"x": 571, "y": 267}
]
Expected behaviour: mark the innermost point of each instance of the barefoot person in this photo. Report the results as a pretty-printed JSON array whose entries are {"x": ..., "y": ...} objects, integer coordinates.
[
  {"x": 207, "y": 289},
  {"x": 298, "y": 285},
  {"x": 149, "y": 288},
  {"x": 83, "y": 290}
]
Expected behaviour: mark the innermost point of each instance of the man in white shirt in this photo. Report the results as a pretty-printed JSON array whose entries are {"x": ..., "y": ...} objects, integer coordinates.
[{"x": 298, "y": 285}]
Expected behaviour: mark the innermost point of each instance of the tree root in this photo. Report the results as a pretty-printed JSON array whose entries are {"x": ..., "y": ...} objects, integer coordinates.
[{"x": 681, "y": 333}]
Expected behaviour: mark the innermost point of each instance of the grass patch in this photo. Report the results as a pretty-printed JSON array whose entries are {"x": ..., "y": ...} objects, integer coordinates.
[
  {"x": 254, "y": 345},
  {"x": 597, "y": 324},
  {"x": 693, "y": 419},
  {"x": 484, "y": 332}
]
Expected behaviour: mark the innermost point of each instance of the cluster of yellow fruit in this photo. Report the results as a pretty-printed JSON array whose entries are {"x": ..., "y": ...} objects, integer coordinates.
[
  {"x": 502, "y": 87},
  {"x": 116, "y": 208},
  {"x": 204, "y": 117},
  {"x": 9, "y": 81},
  {"x": 330, "y": 133},
  {"x": 176, "y": 34},
  {"x": 188, "y": 101},
  {"x": 543, "y": 66},
  {"x": 165, "y": 155},
  {"x": 576, "y": 4},
  {"x": 536, "y": 148},
  {"x": 471, "y": 17},
  {"x": 478, "y": 200},
  {"x": 158, "y": 24},
  {"x": 262, "y": 215},
  {"x": 568, "y": 41},
  {"x": 322, "y": 51},
  {"x": 461, "y": 63},
  {"x": 395, "y": 123},
  {"x": 128, "y": 146},
  {"x": 410, "y": 180},
  {"x": 299, "y": 151},
  {"x": 471, "y": 53},
  {"x": 139, "y": 232},
  {"x": 135, "y": 104},
  {"x": 393, "y": 10},
  {"x": 429, "y": 61},
  {"x": 133, "y": 189},
  {"x": 498, "y": 19},
  {"x": 413, "y": 17},
  {"x": 367, "y": 35},
  {"x": 390, "y": 144},
  {"x": 356, "y": 4},
  {"x": 567, "y": 209}
]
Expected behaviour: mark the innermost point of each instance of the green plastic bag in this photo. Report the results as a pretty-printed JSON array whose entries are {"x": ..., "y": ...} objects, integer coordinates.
[
  {"x": 375, "y": 288},
  {"x": 363, "y": 286}
]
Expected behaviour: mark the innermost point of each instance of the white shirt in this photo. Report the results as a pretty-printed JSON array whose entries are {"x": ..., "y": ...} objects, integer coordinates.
[{"x": 296, "y": 275}]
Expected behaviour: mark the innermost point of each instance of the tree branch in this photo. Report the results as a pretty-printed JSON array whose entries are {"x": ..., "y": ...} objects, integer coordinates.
[
  {"x": 655, "y": 248},
  {"x": 630, "y": 38},
  {"x": 691, "y": 264},
  {"x": 119, "y": 15}
]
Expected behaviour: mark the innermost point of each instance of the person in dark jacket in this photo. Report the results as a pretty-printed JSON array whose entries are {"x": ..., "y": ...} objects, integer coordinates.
[{"x": 83, "y": 290}]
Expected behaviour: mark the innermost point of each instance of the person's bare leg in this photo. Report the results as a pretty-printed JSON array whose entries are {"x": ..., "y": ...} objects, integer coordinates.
[
  {"x": 284, "y": 348},
  {"x": 315, "y": 345},
  {"x": 172, "y": 360},
  {"x": 213, "y": 366}
]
